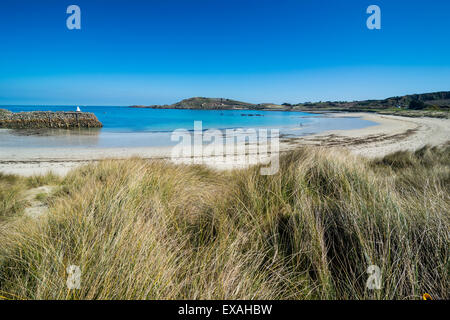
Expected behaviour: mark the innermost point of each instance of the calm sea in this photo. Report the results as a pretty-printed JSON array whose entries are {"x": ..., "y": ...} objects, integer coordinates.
[{"x": 130, "y": 127}]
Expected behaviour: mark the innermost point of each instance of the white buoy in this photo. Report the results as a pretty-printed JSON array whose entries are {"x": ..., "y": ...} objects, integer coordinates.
[{"x": 78, "y": 109}]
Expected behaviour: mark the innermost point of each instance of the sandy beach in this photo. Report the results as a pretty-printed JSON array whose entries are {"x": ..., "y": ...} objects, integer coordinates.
[{"x": 390, "y": 134}]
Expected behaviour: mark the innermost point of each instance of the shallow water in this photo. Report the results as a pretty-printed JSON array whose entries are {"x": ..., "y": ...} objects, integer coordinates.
[{"x": 129, "y": 127}]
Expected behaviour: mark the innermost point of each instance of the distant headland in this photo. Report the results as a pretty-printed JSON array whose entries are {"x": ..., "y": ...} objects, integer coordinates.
[
  {"x": 436, "y": 104},
  {"x": 212, "y": 104}
]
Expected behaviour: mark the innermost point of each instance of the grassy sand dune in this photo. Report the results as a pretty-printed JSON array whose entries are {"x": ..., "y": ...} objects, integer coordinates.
[{"x": 152, "y": 230}]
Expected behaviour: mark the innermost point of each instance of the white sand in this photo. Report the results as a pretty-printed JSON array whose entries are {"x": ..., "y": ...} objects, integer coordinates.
[{"x": 392, "y": 133}]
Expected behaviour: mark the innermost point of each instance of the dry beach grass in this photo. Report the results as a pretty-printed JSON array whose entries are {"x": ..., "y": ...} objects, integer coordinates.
[{"x": 152, "y": 230}]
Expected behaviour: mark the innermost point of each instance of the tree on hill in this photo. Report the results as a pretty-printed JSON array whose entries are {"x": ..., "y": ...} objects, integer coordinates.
[{"x": 416, "y": 105}]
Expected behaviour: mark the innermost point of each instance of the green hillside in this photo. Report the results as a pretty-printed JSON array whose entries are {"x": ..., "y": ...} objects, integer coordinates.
[{"x": 435, "y": 104}]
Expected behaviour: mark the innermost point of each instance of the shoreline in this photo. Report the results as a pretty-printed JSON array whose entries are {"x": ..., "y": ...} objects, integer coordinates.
[{"x": 390, "y": 134}]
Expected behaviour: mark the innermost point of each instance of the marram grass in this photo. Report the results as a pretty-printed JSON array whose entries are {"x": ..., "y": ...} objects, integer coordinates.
[{"x": 152, "y": 230}]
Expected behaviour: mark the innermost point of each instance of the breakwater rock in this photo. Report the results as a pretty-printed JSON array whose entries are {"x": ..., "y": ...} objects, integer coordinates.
[{"x": 48, "y": 119}]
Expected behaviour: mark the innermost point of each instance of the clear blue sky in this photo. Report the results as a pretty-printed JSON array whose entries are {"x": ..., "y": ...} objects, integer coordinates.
[{"x": 160, "y": 51}]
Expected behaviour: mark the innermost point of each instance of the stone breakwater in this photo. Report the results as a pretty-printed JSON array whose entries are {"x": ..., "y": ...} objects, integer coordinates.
[{"x": 48, "y": 119}]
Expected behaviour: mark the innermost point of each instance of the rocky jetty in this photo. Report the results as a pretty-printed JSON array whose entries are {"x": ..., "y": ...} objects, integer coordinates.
[{"x": 48, "y": 119}]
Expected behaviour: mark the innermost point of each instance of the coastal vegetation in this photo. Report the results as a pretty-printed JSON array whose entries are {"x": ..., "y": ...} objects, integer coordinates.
[
  {"x": 153, "y": 230},
  {"x": 436, "y": 104}
]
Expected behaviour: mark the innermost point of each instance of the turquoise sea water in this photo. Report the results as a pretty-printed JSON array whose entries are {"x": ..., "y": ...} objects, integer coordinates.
[{"x": 132, "y": 127}]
